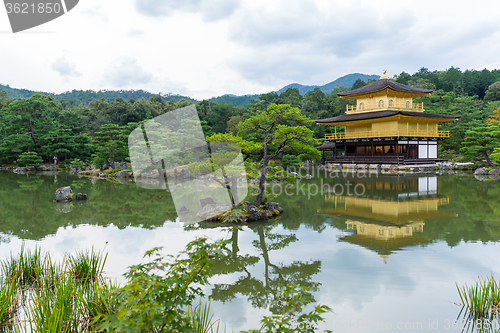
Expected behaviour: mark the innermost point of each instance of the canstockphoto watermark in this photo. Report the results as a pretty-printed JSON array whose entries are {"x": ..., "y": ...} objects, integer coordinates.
[
  {"x": 26, "y": 14},
  {"x": 174, "y": 140},
  {"x": 324, "y": 172},
  {"x": 346, "y": 188}
]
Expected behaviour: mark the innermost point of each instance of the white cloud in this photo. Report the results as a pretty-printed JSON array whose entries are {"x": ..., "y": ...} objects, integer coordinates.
[
  {"x": 125, "y": 72},
  {"x": 135, "y": 33},
  {"x": 213, "y": 10},
  {"x": 64, "y": 68}
]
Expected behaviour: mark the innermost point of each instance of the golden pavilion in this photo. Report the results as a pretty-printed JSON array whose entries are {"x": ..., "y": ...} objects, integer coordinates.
[{"x": 385, "y": 126}]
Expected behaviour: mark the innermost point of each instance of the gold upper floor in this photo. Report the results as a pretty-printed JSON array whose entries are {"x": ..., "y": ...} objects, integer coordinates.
[
  {"x": 382, "y": 106},
  {"x": 385, "y": 100}
]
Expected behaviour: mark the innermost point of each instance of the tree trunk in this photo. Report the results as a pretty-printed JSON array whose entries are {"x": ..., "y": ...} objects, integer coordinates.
[
  {"x": 196, "y": 155},
  {"x": 262, "y": 182},
  {"x": 234, "y": 191},
  {"x": 490, "y": 162}
]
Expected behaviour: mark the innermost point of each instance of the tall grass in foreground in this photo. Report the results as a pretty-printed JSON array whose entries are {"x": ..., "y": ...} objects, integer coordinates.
[
  {"x": 202, "y": 320},
  {"x": 40, "y": 295},
  {"x": 481, "y": 305}
]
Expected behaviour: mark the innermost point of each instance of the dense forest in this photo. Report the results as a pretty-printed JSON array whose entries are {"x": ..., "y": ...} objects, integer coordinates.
[{"x": 96, "y": 130}]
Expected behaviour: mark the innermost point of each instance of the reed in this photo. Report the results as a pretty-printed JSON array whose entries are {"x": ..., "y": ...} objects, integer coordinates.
[
  {"x": 202, "y": 320},
  {"x": 52, "y": 310},
  {"x": 8, "y": 301},
  {"x": 26, "y": 268},
  {"x": 40, "y": 295},
  {"x": 481, "y": 300},
  {"x": 96, "y": 301},
  {"x": 87, "y": 265}
]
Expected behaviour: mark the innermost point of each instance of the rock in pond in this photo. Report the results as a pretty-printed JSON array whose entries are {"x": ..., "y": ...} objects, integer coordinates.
[
  {"x": 20, "y": 170},
  {"x": 210, "y": 212},
  {"x": 272, "y": 206},
  {"x": 494, "y": 172},
  {"x": 255, "y": 214},
  {"x": 81, "y": 196},
  {"x": 122, "y": 174},
  {"x": 207, "y": 201},
  {"x": 64, "y": 194},
  {"x": 183, "y": 210},
  {"x": 481, "y": 171}
]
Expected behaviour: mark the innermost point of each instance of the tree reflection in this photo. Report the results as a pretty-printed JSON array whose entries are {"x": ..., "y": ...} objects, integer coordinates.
[{"x": 264, "y": 291}]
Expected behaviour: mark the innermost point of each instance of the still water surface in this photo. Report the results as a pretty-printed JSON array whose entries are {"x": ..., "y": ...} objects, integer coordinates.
[{"x": 384, "y": 251}]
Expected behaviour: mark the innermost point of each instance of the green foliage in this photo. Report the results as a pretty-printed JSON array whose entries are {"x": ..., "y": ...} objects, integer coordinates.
[
  {"x": 247, "y": 147},
  {"x": 283, "y": 127},
  {"x": 290, "y": 161},
  {"x": 77, "y": 163},
  {"x": 233, "y": 216},
  {"x": 112, "y": 172},
  {"x": 480, "y": 302},
  {"x": 158, "y": 292},
  {"x": 109, "y": 145},
  {"x": 496, "y": 156},
  {"x": 493, "y": 92},
  {"x": 29, "y": 158},
  {"x": 293, "y": 321},
  {"x": 480, "y": 143}
]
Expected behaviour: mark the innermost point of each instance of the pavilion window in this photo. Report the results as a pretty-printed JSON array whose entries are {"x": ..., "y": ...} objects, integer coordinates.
[
  {"x": 389, "y": 149},
  {"x": 361, "y": 106},
  {"x": 381, "y": 103},
  {"x": 408, "y": 104},
  {"x": 391, "y": 102}
]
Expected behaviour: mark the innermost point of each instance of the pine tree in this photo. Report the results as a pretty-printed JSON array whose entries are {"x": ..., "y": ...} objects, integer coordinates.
[
  {"x": 29, "y": 159},
  {"x": 480, "y": 142}
]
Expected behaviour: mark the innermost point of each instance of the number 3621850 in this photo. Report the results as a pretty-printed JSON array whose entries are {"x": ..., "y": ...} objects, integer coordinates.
[{"x": 41, "y": 8}]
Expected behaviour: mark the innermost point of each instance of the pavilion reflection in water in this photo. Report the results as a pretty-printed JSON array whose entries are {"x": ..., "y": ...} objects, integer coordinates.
[{"x": 391, "y": 213}]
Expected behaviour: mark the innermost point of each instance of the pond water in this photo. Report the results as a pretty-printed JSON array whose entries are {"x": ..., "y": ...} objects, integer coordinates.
[{"x": 384, "y": 251}]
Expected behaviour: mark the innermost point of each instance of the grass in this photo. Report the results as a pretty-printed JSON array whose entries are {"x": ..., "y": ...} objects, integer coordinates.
[
  {"x": 481, "y": 301},
  {"x": 202, "y": 320},
  {"x": 87, "y": 265},
  {"x": 40, "y": 295}
]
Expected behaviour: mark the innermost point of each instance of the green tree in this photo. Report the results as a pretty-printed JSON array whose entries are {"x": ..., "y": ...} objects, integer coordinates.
[
  {"x": 493, "y": 92},
  {"x": 290, "y": 161},
  {"x": 282, "y": 126},
  {"x": 247, "y": 147},
  {"x": 291, "y": 96},
  {"x": 480, "y": 142},
  {"x": 358, "y": 84},
  {"x": 29, "y": 159},
  {"x": 232, "y": 123},
  {"x": 109, "y": 145}
]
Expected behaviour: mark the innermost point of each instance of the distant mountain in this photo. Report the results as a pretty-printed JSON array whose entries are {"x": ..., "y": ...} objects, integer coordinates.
[
  {"x": 235, "y": 100},
  {"x": 86, "y": 96},
  {"x": 345, "y": 81}
]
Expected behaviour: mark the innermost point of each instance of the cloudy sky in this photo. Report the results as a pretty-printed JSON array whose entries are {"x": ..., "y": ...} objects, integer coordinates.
[{"x": 206, "y": 48}]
